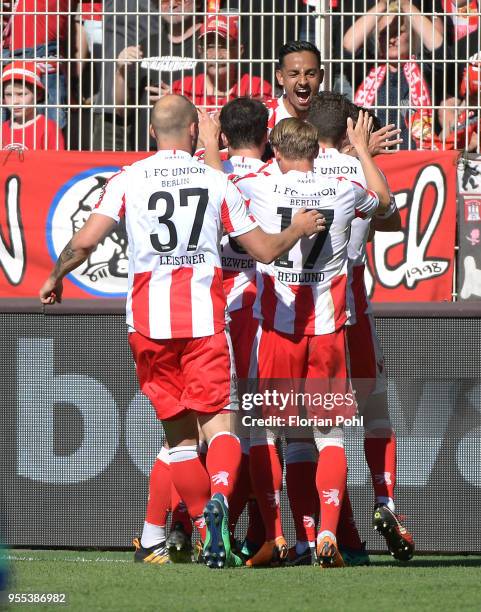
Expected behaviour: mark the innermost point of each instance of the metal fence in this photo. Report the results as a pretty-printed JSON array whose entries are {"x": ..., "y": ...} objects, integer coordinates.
[{"x": 101, "y": 65}]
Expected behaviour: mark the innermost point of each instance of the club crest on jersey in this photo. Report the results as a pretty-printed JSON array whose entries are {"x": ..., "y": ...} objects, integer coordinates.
[{"x": 105, "y": 271}]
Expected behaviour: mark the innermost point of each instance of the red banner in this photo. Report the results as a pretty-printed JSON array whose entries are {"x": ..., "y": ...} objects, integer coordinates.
[
  {"x": 48, "y": 195},
  {"x": 416, "y": 264}
]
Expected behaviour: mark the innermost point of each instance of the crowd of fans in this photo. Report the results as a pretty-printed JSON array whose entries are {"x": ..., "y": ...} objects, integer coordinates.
[{"x": 87, "y": 73}]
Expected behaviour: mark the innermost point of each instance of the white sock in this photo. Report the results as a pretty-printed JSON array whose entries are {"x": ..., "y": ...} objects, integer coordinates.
[
  {"x": 328, "y": 533},
  {"x": 152, "y": 535},
  {"x": 387, "y": 501},
  {"x": 301, "y": 547}
]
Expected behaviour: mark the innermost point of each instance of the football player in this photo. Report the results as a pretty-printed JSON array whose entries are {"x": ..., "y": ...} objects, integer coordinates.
[
  {"x": 175, "y": 209},
  {"x": 329, "y": 112},
  {"x": 300, "y": 75},
  {"x": 301, "y": 303}
]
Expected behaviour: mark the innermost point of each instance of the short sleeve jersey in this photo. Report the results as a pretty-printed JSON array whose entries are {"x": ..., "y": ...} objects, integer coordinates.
[
  {"x": 277, "y": 112},
  {"x": 303, "y": 292},
  {"x": 238, "y": 267},
  {"x": 331, "y": 162},
  {"x": 175, "y": 212}
]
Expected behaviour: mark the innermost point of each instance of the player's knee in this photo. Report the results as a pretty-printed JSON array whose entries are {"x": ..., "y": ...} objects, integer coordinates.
[{"x": 301, "y": 452}]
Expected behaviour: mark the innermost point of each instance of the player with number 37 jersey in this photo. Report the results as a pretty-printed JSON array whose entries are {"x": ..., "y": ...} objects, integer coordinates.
[{"x": 175, "y": 276}]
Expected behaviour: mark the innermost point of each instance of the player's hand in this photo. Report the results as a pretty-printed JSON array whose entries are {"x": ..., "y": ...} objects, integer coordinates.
[
  {"x": 209, "y": 128},
  {"x": 384, "y": 140},
  {"x": 154, "y": 93},
  {"x": 51, "y": 291},
  {"x": 309, "y": 222},
  {"x": 360, "y": 134},
  {"x": 406, "y": 7},
  {"x": 127, "y": 57}
]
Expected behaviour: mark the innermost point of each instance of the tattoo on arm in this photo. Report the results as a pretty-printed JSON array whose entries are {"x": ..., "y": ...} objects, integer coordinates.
[{"x": 68, "y": 260}]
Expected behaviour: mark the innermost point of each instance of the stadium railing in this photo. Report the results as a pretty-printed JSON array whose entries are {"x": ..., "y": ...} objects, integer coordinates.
[{"x": 89, "y": 37}]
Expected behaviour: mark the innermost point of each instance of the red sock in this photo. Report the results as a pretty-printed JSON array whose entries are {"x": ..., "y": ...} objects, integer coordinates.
[
  {"x": 191, "y": 481},
  {"x": 240, "y": 495},
  {"x": 347, "y": 533},
  {"x": 256, "y": 532},
  {"x": 266, "y": 478},
  {"x": 223, "y": 463},
  {"x": 381, "y": 459},
  {"x": 158, "y": 504},
  {"x": 301, "y": 490},
  {"x": 331, "y": 483},
  {"x": 179, "y": 512}
]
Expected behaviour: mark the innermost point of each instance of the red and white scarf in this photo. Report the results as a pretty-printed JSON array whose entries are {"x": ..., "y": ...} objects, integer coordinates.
[
  {"x": 420, "y": 119},
  {"x": 467, "y": 21}
]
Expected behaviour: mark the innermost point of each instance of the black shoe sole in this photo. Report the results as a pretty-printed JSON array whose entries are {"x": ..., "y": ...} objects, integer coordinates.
[
  {"x": 386, "y": 525},
  {"x": 179, "y": 548}
]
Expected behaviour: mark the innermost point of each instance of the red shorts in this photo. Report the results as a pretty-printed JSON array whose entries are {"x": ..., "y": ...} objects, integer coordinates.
[
  {"x": 310, "y": 364},
  {"x": 365, "y": 356},
  {"x": 243, "y": 328},
  {"x": 181, "y": 374}
]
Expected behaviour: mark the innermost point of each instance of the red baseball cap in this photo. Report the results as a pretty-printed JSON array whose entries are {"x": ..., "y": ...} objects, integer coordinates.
[
  {"x": 225, "y": 26},
  {"x": 23, "y": 71}
]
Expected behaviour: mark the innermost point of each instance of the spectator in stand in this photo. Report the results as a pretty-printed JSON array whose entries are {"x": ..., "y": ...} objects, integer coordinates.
[
  {"x": 401, "y": 84},
  {"x": 88, "y": 42},
  {"x": 460, "y": 119},
  {"x": 125, "y": 23},
  {"x": 463, "y": 37},
  {"x": 37, "y": 30},
  {"x": 86, "y": 84},
  {"x": 462, "y": 31},
  {"x": 148, "y": 69},
  {"x": 222, "y": 80},
  {"x": 27, "y": 128}
]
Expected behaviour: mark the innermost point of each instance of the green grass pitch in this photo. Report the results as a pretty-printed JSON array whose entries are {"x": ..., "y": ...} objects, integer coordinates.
[{"x": 94, "y": 581}]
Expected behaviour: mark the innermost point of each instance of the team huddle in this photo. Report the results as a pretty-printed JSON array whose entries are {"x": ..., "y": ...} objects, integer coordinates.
[{"x": 248, "y": 264}]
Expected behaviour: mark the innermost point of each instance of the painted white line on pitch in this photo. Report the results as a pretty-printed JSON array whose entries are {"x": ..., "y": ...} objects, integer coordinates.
[{"x": 71, "y": 559}]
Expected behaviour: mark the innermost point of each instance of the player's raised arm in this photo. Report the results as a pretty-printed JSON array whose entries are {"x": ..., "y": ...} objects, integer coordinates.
[
  {"x": 209, "y": 132},
  {"x": 359, "y": 138},
  {"x": 389, "y": 223},
  {"x": 266, "y": 247}
]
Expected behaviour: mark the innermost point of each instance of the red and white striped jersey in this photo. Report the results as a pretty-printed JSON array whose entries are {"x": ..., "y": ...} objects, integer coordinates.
[
  {"x": 277, "y": 111},
  {"x": 304, "y": 291},
  {"x": 239, "y": 268},
  {"x": 332, "y": 163},
  {"x": 175, "y": 208}
]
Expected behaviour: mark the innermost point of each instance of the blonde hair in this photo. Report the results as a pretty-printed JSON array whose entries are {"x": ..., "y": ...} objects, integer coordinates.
[{"x": 295, "y": 139}]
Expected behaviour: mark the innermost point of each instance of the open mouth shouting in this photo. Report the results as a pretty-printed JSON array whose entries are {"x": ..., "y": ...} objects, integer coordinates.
[{"x": 303, "y": 95}]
